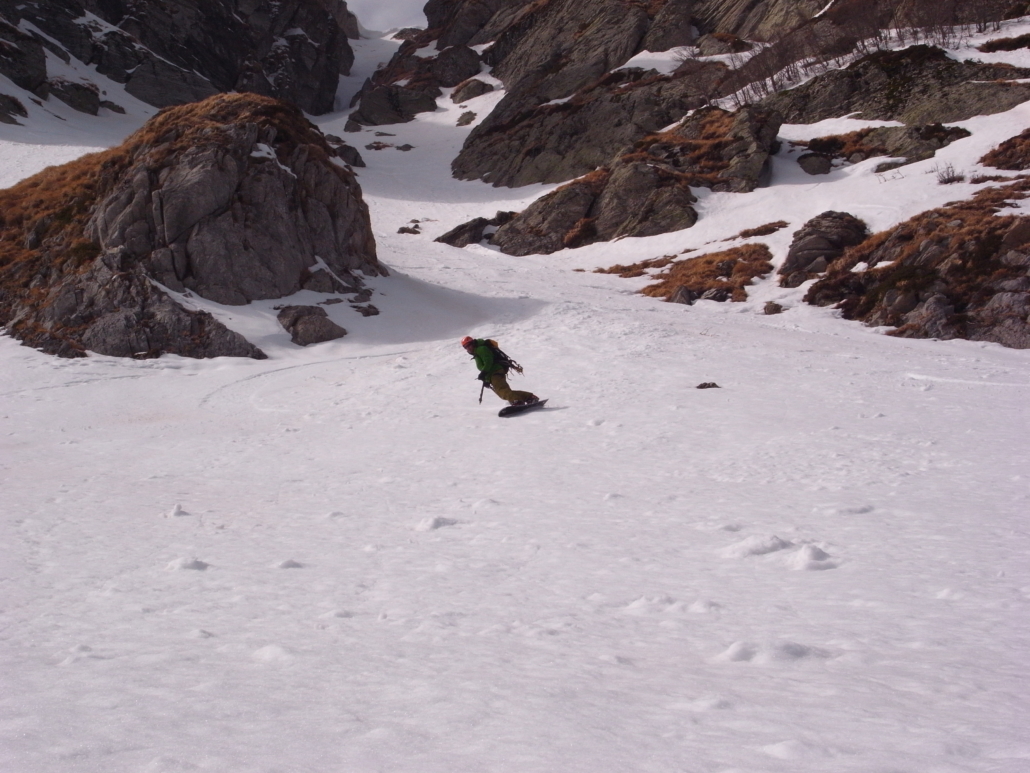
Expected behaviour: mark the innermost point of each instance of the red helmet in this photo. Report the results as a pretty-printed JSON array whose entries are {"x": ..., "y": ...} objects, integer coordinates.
[{"x": 467, "y": 340}]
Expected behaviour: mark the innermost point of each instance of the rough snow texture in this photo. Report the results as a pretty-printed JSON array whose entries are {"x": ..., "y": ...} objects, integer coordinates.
[{"x": 562, "y": 596}]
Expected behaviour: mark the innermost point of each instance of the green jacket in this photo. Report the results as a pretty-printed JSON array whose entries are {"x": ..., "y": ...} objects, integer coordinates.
[{"x": 486, "y": 361}]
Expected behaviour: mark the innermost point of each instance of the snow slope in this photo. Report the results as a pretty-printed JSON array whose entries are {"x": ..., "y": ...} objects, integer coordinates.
[{"x": 337, "y": 560}]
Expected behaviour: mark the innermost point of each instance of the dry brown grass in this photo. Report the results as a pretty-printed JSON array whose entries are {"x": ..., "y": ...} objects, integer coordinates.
[
  {"x": 845, "y": 145},
  {"x": 1013, "y": 154},
  {"x": 965, "y": 234},
  {"x": 730, "y": 270},
  {"x": 697, "y": 148},
  {"x": 762, "y": 230},
  {"x": 1005, "y": 44}
]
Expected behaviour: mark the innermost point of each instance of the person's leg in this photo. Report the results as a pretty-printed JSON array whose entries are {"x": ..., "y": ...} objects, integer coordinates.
[{"x": 500, "y": 386}]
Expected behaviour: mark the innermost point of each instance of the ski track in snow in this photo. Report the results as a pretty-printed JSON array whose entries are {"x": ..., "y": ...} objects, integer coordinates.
[{"x": 819, "y": 566}]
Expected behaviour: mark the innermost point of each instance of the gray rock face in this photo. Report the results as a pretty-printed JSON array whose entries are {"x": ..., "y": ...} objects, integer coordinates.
[
  {"x": 720, "y": 44},
  {"x": 754, "y": 19},
  {"x": 817, "y": 243},
  {"x": 411, "y": 84},
  {"x": 540, "y": 50},
  {"x": 169, "y": 54},
  {"x": 919, "y": 85},
  {"x": 646, "y": 190},
  {"x": 309, "y": 325},
  {"x": 554, "y": 143},
  {"x": 240, "y": 219},
  {"x": 22, "y": 57},
  {"x": 78, "y": 96},
  {"x": 116, "y": 310},
  {"x": 235, "y": 198}
]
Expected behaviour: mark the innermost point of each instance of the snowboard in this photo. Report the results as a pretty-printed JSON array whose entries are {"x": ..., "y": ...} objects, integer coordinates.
[{"x": 512, "y": 410}]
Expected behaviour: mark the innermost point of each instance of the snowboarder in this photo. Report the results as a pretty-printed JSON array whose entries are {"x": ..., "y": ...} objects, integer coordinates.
[{"x": 493, "y": 367}]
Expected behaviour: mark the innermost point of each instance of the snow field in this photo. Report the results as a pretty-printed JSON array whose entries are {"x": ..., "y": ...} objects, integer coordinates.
[{"x": 335, "y": 559}]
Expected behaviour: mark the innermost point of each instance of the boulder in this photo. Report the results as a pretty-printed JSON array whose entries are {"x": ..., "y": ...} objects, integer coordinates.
[
  {"x": 818, "y": 242},
  {"x": 815, "y": 163},
  {"x": 309, "y": 325},
  {"x": 455, "y": 65},
  {"x": 234, "y": 199},
  {"x": 385, "y": 105},
  {"x": 470, "y": 89},
  {"x": 79, "y": 96},
  {"x": 475, "y": 230}
]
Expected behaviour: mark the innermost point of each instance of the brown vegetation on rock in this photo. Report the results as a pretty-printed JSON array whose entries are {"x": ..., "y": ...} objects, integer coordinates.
[
  {"x": 959, "y": 271},
  {"x": 1013, "y": 154},
  {"x": 720, "y": 276}
]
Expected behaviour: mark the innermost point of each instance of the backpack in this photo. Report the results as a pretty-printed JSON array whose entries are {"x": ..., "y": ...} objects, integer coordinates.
[{"x": 501, "y": 358}]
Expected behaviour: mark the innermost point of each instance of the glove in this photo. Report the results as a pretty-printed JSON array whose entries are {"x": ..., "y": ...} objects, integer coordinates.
[{"x": 483, "y": 376}]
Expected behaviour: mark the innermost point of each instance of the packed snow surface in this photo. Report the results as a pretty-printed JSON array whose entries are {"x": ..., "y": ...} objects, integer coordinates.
[{"x": 336, "y": 559}]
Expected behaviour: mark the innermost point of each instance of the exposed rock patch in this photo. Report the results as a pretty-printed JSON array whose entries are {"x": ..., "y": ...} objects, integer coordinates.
[
  {"x": 470, "y": 89},
  {"x": 475, "y": 230},
  {"x": 173, "y": 54},
  {"x": 917, "y": 86},
  {"x": 960, "y": 271},
  {"x": 646, "y": 190},
  {"x": 556, "y": 142},
  {"x": 236, "y": 198},
  {"x": 754, "y": 20},
  {"x": 309, "y": 325},
  {"x": 818, "y": 243},
  {"x": 907, "y": 143}
]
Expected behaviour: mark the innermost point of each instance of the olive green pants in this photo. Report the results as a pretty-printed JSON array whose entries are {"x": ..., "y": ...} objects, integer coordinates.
[{"x": 499, "y": 384}]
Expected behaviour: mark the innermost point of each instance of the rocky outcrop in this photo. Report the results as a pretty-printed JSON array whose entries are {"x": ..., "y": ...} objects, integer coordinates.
[
  {"x": 908, "y": 144},
  {"x": 309, "y": 325},
  {"x": 646, "y": 190},
  {"x": 754, "y": 19},
  {"x": 818, "y": 243},
  {"x": 113, "y": 308},
  {"x": 475, "y": 230},
  {"x": 470, "y": 89},
  {"x": 173, "y": 54},
  {"x": 962, "y": 271},
  {"x": 533, "y": 52},
  {"x": 917, "y": 86},
  {"x": 1013, "y": 154},
  {"x": 11, "y": 110},
  {"x": 234, "y": 199},
  {"x": 410, "y": 84},
  {"x": 557, "y": 142}
]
